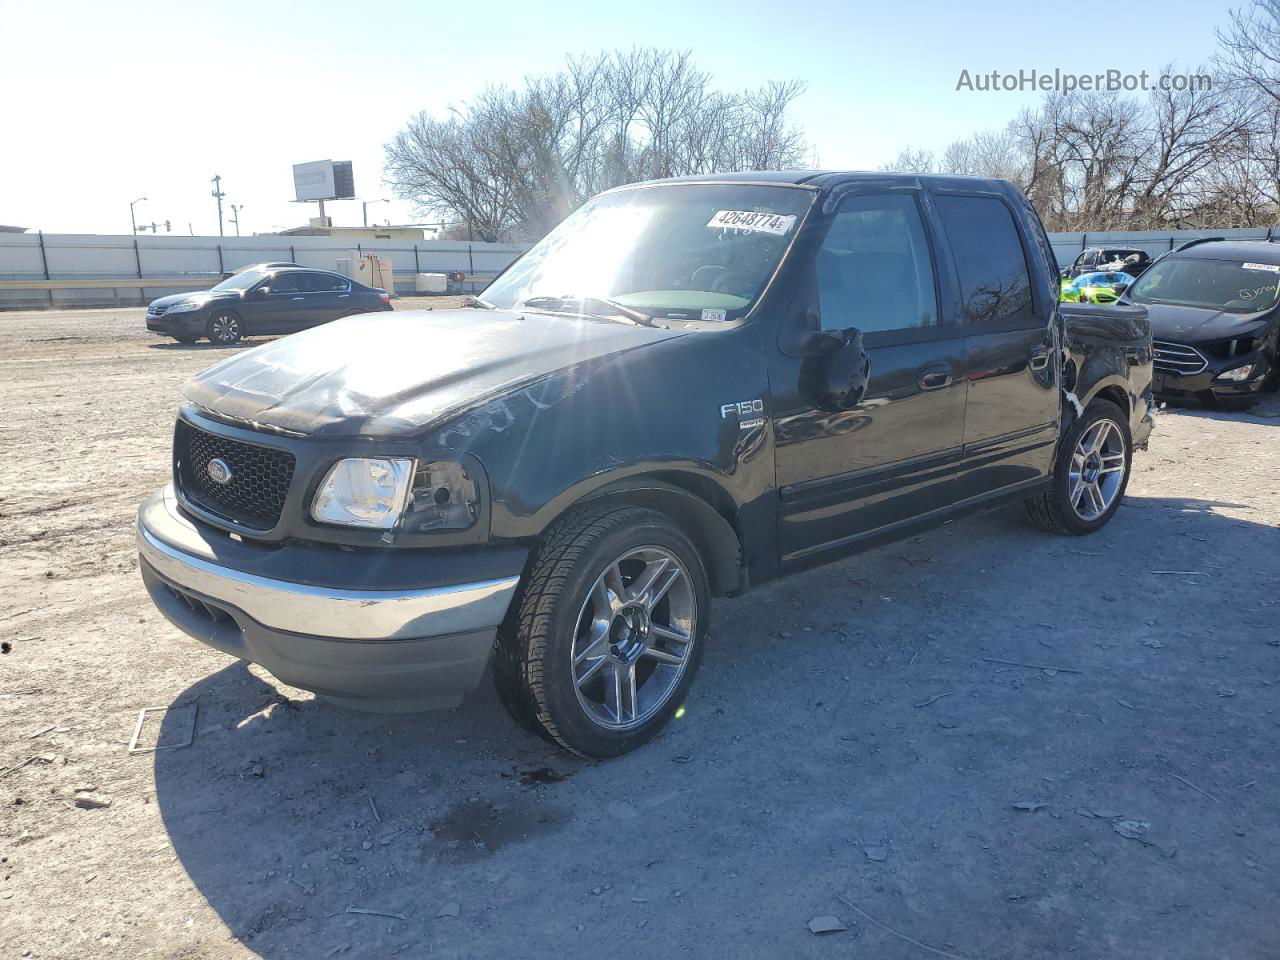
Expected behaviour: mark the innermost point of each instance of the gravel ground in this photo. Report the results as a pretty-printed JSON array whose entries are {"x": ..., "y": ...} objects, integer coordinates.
[{"x": 855, "y": 746}]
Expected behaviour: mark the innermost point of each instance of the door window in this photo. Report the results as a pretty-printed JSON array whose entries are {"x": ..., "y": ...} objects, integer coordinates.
[
  {"x": 995, "y": 284},
  {"x": 324, "y": 283},
  {"x": 286, "y": 283},
  {"x": 874, "y": 270}
]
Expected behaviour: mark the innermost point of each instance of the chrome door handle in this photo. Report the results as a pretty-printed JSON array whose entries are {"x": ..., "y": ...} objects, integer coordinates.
[
  {"x": 299, "y": 298},
  {"x": 934, "y": 378}
]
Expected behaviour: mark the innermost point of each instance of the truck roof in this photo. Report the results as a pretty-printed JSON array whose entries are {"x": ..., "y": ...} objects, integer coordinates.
[{"x": 832, "y": 178}]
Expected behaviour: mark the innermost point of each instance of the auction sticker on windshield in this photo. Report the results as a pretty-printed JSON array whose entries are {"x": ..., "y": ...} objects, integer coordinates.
[
  {"x": 1272, "y": 267},
  {"x": 777, "y": 224}
]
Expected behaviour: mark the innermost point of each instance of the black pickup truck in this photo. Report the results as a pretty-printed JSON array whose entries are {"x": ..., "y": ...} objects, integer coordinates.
[{"x": 688, "y": 389}]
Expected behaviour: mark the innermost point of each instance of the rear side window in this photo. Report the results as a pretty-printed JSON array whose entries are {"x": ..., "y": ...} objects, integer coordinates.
[
  {"x": 995, "y": 284},
  {"x": 324, "y": 283},
  {"x": 874, "y": 270}
]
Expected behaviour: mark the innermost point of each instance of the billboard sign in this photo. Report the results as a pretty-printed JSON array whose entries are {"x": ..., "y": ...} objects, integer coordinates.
[{"x": 323, "y": 180}]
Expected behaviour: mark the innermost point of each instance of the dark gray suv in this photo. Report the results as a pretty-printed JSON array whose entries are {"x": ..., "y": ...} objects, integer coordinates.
[{"x": 258, "y": 302}]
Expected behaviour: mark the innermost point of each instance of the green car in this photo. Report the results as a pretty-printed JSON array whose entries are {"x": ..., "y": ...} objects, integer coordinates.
[{"x": 1094, "y": 288}]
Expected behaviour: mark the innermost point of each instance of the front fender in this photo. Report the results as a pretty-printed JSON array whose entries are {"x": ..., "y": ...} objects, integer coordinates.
[{"x": 661, "y": 414}]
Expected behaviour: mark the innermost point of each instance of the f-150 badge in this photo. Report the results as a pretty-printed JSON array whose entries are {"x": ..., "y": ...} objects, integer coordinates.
[{"x": 748, "y": 413}]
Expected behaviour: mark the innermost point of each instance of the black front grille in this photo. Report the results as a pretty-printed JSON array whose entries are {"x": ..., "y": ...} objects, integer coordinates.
[
  {"x": 259, "y": 483},
  {"x": 1178, "y": 358}
]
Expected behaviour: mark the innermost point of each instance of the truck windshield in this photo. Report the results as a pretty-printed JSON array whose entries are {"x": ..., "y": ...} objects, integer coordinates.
[
  {"x": 1214, "y": 284},
  {"x": 694, "y": 251}
]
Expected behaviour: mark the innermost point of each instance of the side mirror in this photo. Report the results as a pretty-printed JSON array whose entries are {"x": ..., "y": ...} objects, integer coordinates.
[
  {"x": 261, "y": 292},
  {"x": 838, "y": 373}
]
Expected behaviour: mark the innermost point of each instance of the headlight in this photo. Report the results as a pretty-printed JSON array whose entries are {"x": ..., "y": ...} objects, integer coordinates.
[
  {"x": 444, "y": 497},
  {"x": 185, "y": 307},
  {"x": 1238, "y": 374},
  {"x": 363, "y": 492}
]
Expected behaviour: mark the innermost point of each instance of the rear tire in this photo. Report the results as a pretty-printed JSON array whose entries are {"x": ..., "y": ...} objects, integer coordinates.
[
  {"x": 1090, "y": 474},
  {"x": 607, "y": 631}
]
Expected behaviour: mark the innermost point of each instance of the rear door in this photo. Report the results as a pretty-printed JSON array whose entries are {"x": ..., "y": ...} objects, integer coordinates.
[
  {"x": 327, "y": 297},
  {"x": 1011, "y": 412},
  {"x": 843, "y": 477}
]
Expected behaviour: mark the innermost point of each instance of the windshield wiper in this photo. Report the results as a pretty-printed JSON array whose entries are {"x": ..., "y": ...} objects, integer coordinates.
[
  {"x": 618, "y": 309},
  {"x": 477, "y": 303}
]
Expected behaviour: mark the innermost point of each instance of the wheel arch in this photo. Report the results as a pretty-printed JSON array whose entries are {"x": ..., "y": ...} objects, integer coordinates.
[
  {"x": 703, "y": 509},
  {"x": 1116, "y": 392}
]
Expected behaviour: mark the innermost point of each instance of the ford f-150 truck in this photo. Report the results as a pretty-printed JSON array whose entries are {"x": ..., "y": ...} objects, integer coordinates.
[{"x": 689, "y": 388}]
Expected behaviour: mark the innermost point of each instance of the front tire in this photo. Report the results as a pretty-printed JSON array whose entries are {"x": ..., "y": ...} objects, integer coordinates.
[
  {"x": 607, "y": 632},
  {"x": 1090, "y": 474},
  {"x": 225, "y": 328}
]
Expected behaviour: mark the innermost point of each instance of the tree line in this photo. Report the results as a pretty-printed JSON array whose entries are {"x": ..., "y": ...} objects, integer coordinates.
[{"x": 513, "y": 163}]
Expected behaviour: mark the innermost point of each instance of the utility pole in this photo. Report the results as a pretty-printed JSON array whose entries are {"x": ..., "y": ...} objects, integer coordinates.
[
  {"x": 235, "y": 216},
  {"x": 132, "y": 219},
  {"x": 218, "y": 195}
]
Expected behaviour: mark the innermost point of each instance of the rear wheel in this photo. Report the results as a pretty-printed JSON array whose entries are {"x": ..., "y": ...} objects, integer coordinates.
[
  {"x": 607, "y": 632},
  {"x": 1090, "y": 475},
  {"x": 225, "y": 328}
]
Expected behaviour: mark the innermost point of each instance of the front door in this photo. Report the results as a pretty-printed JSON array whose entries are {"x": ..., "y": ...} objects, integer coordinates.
[
  {"x": 1011, "y": 418},
  {"x": 280, "y": 310},
  {"x": 844, "y": 477}
]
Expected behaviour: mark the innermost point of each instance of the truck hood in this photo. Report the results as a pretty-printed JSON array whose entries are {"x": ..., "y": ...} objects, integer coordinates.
[
  {"x": 1198, "y": 324},
  {"x": 395, "y": 373}
]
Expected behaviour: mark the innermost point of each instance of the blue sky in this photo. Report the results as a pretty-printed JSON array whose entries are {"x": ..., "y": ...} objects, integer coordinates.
[{"x": 105, "y": 102}]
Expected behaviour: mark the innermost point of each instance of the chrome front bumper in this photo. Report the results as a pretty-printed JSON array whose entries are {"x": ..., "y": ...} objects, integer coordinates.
[
  {"x": 423, "y": 644},
  {"x": 329, "y": 611}
]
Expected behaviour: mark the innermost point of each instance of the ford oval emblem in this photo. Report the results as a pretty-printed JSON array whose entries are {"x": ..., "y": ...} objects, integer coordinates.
[{"x": 219, "y": 472}]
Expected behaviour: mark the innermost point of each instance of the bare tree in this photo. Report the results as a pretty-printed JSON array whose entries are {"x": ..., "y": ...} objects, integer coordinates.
[
  {"x": 512, "y": 163},
  {"x": 1250, "y": 47},
  {"x": 912, "y": 160}
]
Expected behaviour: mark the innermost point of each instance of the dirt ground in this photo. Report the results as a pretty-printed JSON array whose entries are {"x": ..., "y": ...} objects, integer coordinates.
[{"x": 857, "y": 746}]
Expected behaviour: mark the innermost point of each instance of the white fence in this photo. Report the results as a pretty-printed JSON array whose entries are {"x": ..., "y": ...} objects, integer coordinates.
[
  {"x": 1067, "y": 246},
  {"x": 61, "y": 269}
]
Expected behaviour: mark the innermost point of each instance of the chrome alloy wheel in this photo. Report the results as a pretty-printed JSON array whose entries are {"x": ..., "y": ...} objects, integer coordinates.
[
  {"x": 225, "y": 328},
  {"x": 1097, "y": 470},
  {"x": 634, "y": 638}
]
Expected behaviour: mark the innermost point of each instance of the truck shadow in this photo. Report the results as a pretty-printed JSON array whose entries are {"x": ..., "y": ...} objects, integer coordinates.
[{"x": 294, "y": 818}]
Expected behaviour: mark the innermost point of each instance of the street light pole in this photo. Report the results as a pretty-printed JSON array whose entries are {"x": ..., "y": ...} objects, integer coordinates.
[
  {"x": 218, "y": 195},
  {"x": 235, "y": 216},
  {"x": 365, "y": 205},
  {"x": 133, "y": 222}
]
